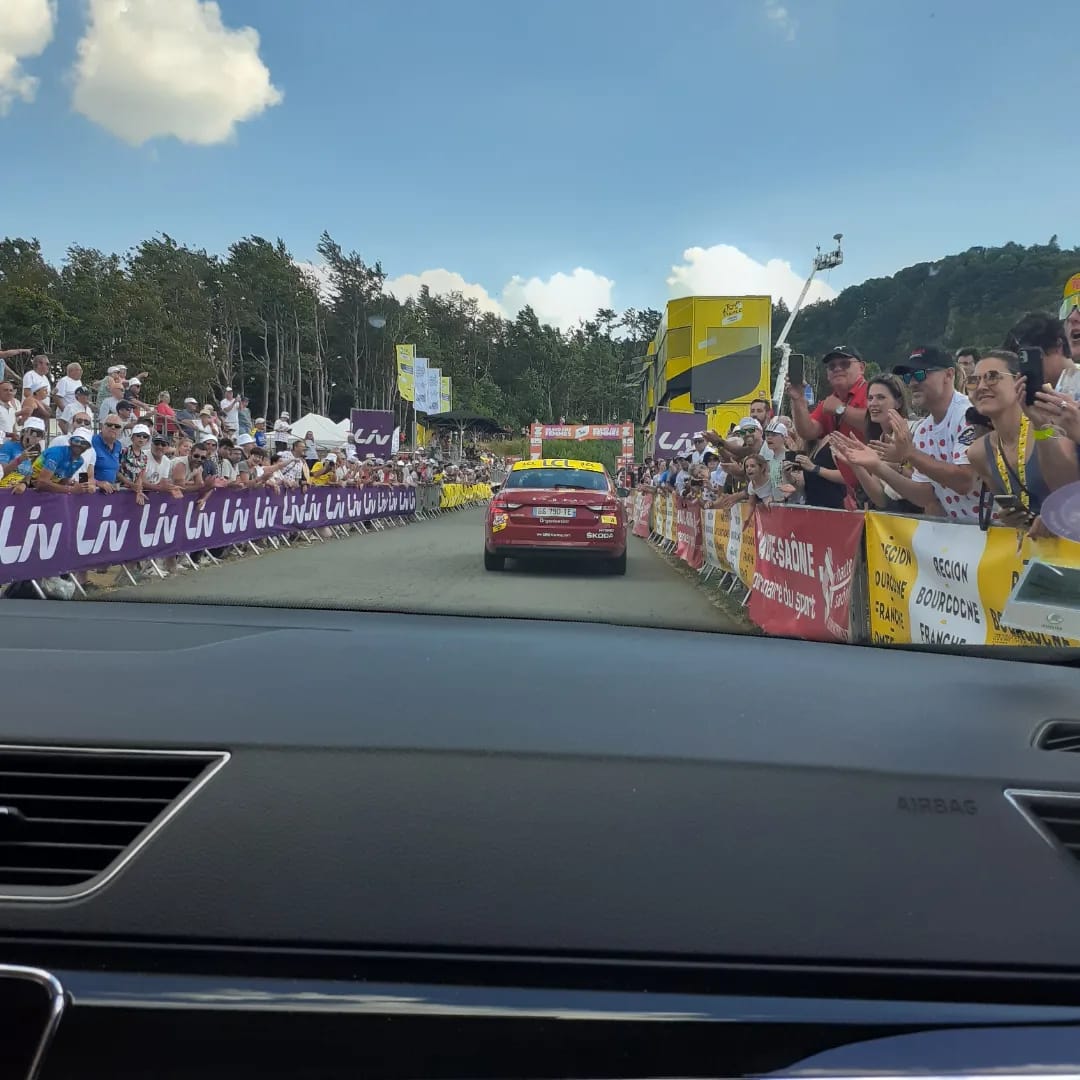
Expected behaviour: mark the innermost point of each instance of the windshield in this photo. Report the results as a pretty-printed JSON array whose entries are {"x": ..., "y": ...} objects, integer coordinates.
[
  {"x": 327, "y": 272},
  {"x": 557, "y": 478}
]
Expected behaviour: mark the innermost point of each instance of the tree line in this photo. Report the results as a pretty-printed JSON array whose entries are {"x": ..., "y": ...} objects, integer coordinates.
[{"x": 256, "y": 320}]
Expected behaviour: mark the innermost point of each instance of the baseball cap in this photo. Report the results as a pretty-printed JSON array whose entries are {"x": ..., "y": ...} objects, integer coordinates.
[
  {"x": 160, "y": 440},
  {"x": 244, "y": 440},
  {"x": 228, "y": 390},
  {"x": 34, "y": 423},
  {"x": 123, "y": 403},
  {"x": 699, "y": 435},
  {"x": 208, "y": 439},
  {"x": 113, "y": 370},
  {"x": 140, "y": 429},
  {"x": 260, "y": 420},
  {"x": 81, "y": 434},
  {"x": 331, "y": 458},
  {"x": 925, "y": 358},
  {"x": 134, "y": 381},
  {"x": 841, "y": 352},
  {"x": 285, "y": 416},
  {"x": 1070, "y": 297},
  {"x": 82, "y": 390},
  {"x": 776, "y": 427},
  {"x": 194, "y": 401},
  {"x": 748, "y": 423}
]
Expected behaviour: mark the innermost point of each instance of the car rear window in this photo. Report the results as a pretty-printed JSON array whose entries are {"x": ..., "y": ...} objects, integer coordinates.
[{"x": 553, "y": 478}]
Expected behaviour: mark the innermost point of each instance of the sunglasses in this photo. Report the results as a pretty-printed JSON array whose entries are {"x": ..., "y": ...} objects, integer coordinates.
[
  {"x": 1068, "y": 306},
  {"x": 919, "y": 375},
  {"x": 838, "y": 365},
  {"x": 114, "y": 427},
  {"x": 77, "y": 443},
  {"x": 140, "y": 435},
  {"x": 198, "y": 457},
  {"x": 990, "y": 378}
]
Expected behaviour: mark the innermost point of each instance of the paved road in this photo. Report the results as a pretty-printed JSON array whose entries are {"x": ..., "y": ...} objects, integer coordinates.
[{"x": 436, "y": 566}]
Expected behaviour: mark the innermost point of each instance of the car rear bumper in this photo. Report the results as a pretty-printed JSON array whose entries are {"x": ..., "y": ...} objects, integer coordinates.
[{"x": 554, "y": 548}]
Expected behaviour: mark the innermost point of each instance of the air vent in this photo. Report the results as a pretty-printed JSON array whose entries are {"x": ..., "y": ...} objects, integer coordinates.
[
  {"x": 1055, "y": 816},
  {"x": 1059, "y": 735},
  {"x": 71, "y": 818}
]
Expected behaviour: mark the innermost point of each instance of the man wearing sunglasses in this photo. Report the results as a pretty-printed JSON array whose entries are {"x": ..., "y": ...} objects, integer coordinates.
[
  {"x": 107, "y": 451},
  {"x": 844, "y": 410},
  {"x": 59, "y": 468},
  {"x": 936, "y": 448}
]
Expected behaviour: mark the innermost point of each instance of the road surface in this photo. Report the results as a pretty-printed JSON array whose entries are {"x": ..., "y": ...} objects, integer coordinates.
[{"x": 437, "y": 566}]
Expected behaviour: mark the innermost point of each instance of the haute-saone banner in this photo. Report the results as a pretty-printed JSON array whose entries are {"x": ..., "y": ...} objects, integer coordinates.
[
  {"x": 935, "y": 582},
  {"x": 803, "y": 572},
  {"x": 643, "y": 501},
  {"x": 42, "y": 535}
]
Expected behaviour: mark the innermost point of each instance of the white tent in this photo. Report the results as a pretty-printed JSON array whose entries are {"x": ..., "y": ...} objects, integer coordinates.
[{"x": 326, "y": 432}]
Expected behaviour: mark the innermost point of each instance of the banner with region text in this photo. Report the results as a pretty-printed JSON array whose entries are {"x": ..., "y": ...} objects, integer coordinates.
[
  {"x": 643, "y": 501},
  {"x": 936, "y": 582}
]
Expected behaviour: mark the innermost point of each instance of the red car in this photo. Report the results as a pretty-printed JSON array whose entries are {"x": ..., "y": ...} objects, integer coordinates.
[{"x": 556, "y": 506}]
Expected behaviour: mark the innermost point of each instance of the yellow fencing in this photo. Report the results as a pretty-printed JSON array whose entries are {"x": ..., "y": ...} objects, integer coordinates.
[{"x": 455, "y": 495}]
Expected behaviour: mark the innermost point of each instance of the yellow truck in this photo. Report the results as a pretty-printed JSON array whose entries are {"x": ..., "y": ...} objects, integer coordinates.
[{"x": 711, "y": 354}]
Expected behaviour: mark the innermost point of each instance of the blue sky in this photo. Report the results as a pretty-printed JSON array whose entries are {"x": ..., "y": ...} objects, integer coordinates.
[{"x": 511, "y": 140}]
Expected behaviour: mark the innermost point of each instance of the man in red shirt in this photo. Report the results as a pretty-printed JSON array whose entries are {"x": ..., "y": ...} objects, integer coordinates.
[{"x": 844, "y": 410}]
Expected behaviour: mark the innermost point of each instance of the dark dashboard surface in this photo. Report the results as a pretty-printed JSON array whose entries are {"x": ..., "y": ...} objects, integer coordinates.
[{"x": 454, "y": 783}]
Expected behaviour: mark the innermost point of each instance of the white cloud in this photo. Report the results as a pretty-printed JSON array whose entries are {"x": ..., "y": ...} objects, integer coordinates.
[
  {"x": 442, "y": 282},
  {"x": 150, "y": 68},
  {"x": 562, "y": 300},
  {"x": 26, "y": 27},
  {"x": 781, "y": 18},
  {"x": 724, "y": 270},
  {"x": 319, "y": 274}
]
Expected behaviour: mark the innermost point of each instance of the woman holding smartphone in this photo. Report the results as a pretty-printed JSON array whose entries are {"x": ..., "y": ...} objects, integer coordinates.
[{"x": 1007, "y": 459}]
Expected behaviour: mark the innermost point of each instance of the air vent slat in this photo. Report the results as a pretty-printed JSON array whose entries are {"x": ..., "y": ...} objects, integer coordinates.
[
  {"x": 73, "y": 815},
  {"x": 1060, "y": 735}
]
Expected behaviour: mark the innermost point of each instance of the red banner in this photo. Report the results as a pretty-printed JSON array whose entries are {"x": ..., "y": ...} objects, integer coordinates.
[
  {"x": 689, "y": 543},
  {"x": 642, "y": 508},
  {"x": 803, "y": 571}
]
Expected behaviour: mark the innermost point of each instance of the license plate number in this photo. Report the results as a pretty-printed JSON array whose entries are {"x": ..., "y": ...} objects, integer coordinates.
[{"x": 554, "y": 511}]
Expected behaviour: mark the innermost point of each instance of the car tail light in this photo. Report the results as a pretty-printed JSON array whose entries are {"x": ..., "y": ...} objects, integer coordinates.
[
  {"x": 510, "y": 506},
  {"x": 610, "y": 506}
]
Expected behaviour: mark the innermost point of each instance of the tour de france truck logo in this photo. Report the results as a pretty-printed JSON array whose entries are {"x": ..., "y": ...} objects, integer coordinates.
[{"x": 733, "y": 313}]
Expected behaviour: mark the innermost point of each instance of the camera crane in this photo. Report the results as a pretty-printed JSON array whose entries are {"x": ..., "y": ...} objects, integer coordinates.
[{"x": 822, "y": 261}]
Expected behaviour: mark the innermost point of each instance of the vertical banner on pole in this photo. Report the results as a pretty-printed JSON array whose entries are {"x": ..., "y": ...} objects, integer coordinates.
[
  {"x": 536, "y": 441},
  {"x": 406, "y": 354}
]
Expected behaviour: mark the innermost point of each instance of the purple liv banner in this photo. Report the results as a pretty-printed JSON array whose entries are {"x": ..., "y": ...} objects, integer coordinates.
[
  {"x": 374, "y": 430},
  {"x": 42, "y": 535},
  {"x": 675, "y": 430}
]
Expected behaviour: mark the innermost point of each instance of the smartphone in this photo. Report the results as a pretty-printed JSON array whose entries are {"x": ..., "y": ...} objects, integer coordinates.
[
  {"x": 1031, "y": 367},
  {"x": 790, "y": 455},
  {"x": 796, "y": 367},
  {"x": 84, "y": 477},
  {"x": 1009, "y": 502}
]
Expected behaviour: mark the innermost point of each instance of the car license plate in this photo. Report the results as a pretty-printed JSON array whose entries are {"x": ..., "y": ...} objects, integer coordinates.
[{"x": 554, "y": 511}]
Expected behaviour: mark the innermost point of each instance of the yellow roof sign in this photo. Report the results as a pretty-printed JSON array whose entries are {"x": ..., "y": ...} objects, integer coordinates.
[{"x": 557, "y": 463}]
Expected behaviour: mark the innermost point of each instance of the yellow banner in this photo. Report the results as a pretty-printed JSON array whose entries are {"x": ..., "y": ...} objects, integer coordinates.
[
  {"x": 406, "y": 354},
  {"x": 747, "y": 542},
  {"x": 446, "y": 397},
  {"x": 935, "y": 582},
  {"x": 455, "y": 495}
]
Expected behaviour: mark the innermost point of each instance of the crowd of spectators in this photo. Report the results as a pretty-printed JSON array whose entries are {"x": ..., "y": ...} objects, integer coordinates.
[
  {"x": 957, "y": 437},
  {"x": 84, "y": 436}
]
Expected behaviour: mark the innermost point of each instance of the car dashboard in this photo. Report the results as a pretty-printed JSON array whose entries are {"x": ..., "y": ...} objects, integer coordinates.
[{"x": 263, "y": 842}]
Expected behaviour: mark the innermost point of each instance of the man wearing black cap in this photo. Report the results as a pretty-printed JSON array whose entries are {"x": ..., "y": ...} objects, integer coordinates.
[
  {"x": 936, "y": 448},
  {"x": 844, "y": 410}
]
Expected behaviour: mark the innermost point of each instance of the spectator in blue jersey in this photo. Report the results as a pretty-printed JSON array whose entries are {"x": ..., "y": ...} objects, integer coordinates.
[
  {"x": 107, "y": 451},
  {"x": 17, "y": 455},
  {"x": 59, "y": 468}
]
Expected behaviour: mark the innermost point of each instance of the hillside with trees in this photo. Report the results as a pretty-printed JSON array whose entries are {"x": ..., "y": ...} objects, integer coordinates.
[
  {"x": 967, "y": 299},
  {"x": 255, "y": 319}
]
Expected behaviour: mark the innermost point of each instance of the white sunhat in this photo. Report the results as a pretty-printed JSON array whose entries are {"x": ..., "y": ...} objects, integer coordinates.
[
  {"x": 85, "y": 434},
  {"x": 34, "y": 423}
]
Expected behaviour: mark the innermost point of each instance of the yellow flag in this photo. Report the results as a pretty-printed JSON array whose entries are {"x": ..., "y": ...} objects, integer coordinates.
[
  {"x": 445, "y": 400},
  {"x": 405, "y": 356}
]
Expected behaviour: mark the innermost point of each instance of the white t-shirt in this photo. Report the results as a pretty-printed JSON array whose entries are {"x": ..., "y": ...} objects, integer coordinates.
[
  {"x": 763, "y": 491},
  {"x": 65, "y": 390},
  {"x": 8, "y": 413},
  {"x": 942, "y": 441},
  {"x": 33, "y": 382},
  {"x": 1069, "y": 382},
  {"x": 157, "y": 471},
  {"x": 69, "y": 411},
  {"x": 230, "y": 412}
]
